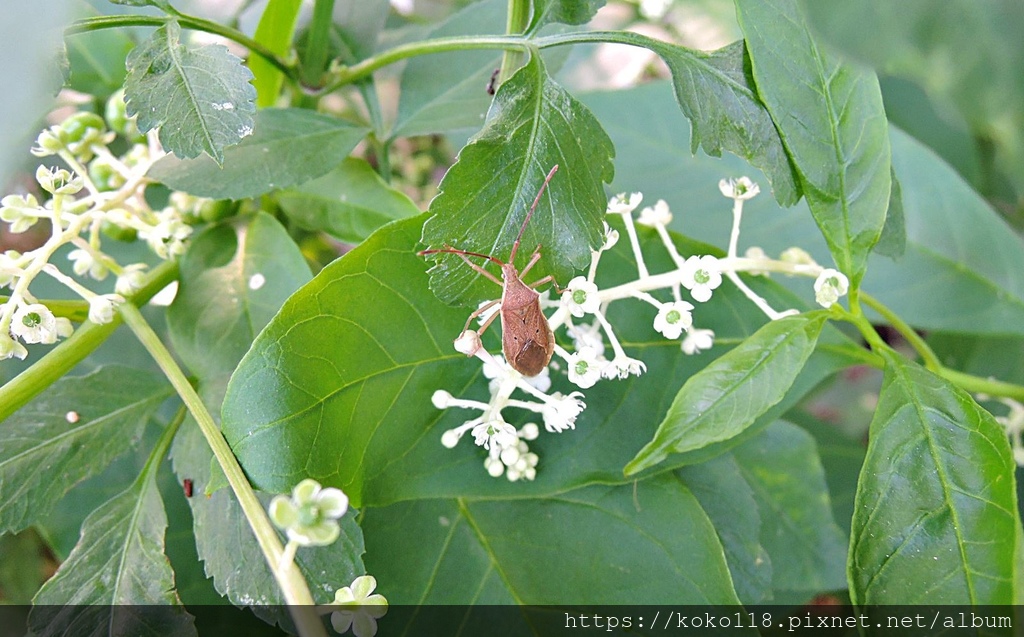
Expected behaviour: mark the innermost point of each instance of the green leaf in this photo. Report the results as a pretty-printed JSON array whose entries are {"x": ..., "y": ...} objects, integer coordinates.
[
  {"x": 275, "y": 31},
  {"x": 728, "y": 395},
  {"x": 43, "y": 454},
  {"x": 608, "y": 545},
  {"x": 936, "y": 504},
  {"x": 199, "y": 97},
  {"x": 358, "y": 24},
  {"x": 358, "y": 414},
  {"x": 117, "y": 578},
  {"x": 716, "y": 92},
  {"x": 729, "y": 502},
  {"x": 893, "y": 241},
  {"x": 532, "y": 126},
  {"x": 832, "y": 121},
  {"x": 289, "y": 146},
  {"x": 233, "y": 278},
  {"x": 448, "y": 91},
  {"x": 963, "y": 270},
  {"x": 564, "y": 11},
  {"x": 807, "y": 548},
  {"x": 96, "y": 61},
  {"x": 349, "y": 203}
]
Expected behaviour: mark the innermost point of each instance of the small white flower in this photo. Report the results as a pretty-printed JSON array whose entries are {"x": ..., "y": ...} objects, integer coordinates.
[
  {"x": 102, "y": 306},
  {"x": 84, "y": 262},
  {"x": 698, "y": 340},
  {"x": 700, "y": 275},
  {"x": 510, "y": 455},
  {"x": 623, "y": 205},
  {"x": 739, "y": 189},
  {"x": 9, "y": 267},
  {"x": 58, "y": 181},
  {"x": 11, "y": 348},
  {"x": 755, "y": 253},
  {"x": 450, "y": 438},
  {"x": 131, "y": 279},
  {"x": 441, "y": 399},
  {"x": 496, "y": 432},
  {"x": 167, "y": 238},
  {"x": 310, "y": 516},
  {"x": 541, "y": 381},
  {"x": 584, "y": 367},
  {"x": 673, "y": 319},
  {"x": 21, "y": 211},
  {"x": 359, "y": 609},
  {"x": 797, "y": 256},
  {"x": 829, "y": 286},
  {"x": 623, "y": 366},
  {"x": 494, "y": 467},
  {"x": 468, "y": 343},
  {"x": 529, "y": 431},
  {"x": 581, "y": 297},
  {"x": 611, "y": 237},
  {"x": 34, "y": 323},
  {"x": 64, "y": 327},
  {"x": 658, "y": 215},
  {"x": 560, "y": 411},
  {"x": 587, "y": 335}
]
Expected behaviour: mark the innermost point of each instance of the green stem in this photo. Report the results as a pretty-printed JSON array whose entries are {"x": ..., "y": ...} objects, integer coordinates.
[
  {"x": 381, "y": 145},
  {"x": 317, "y": 43},
  {"x": 293, "y": 586},
  {"x": 979, "y": 385},
  {"x": 59, "y": 361},
  {"x": 518, "y": 21},
  {"x": 97, "y": 23},
  {"x": 928, "y": 357},
  {"x": 160, "y": 450},
  {"x": 349, "y": 74}
]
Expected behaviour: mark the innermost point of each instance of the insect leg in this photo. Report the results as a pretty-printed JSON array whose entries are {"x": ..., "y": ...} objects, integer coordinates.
[
  {"x": 548, "y": 279},
  {"x": 478, "y": 268},
  {"x": 478, "y": 312},
  {"x": 534, "y": 258}
]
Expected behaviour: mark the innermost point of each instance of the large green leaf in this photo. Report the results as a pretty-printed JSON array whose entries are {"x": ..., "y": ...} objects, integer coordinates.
[
  {"x": 97, "y": 61},
  {"x": 598, "y": 545},
  {"x": 348, "y": 203},
  {"x": 70, "y": 432},
  {"x": 807, "y": 548},
  {"x": 728, "y": 500},
  {"x": 341, "y": 391},
  {"x": 716, "y": 92},
  {"x": 728, "y": 395},
  {"x": 117, "y": 579},
  {"x": 199, "y": 97},
  {"x": 963, "y": 269},
  {"x": 448, "y": 91},
  {"x": 832, "y": 121},
  {"x": 288, "y": 147},
  {"x": 533, "y": 125},
  {"x": 564, "y": 11},
  {"x": 935, "y": 519}
]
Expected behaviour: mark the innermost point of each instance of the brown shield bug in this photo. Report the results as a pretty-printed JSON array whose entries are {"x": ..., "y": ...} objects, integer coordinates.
[{"x": 526, "y": 338}]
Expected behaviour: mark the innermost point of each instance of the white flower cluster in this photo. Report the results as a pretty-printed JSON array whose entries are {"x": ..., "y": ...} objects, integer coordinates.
[
  {"x": 582, "y": 311},
  {"x": 98, "y": 193}
]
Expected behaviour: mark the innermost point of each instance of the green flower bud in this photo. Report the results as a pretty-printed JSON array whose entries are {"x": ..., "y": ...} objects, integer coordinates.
[
  {"x": 76, "y": 127},
  {"x": 104, "y": 175},
  {"x": 118, "y": 120}
]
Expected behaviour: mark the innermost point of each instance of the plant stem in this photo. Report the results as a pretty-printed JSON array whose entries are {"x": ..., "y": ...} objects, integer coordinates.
[
  {"x": 97, "y": 23},
  {"x": 315, "y": 58},
  {"x": 160, "y": 450},
  {"x": 293, "y": 586},
  {"x": 59, "y": 361},
  {"x": 518, "y": 20},
  {"x": 979, "y": 385},
  {"x": 347, "y": 75},
  {"x": 928, "y": 357}
]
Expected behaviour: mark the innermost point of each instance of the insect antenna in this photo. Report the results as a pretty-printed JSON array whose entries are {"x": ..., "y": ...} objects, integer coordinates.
[
  {"x": 515, "y": 246},
  {"x": 451, "y": 250}
]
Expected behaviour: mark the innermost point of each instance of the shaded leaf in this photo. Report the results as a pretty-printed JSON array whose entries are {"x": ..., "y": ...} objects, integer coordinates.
[
  {"x": 832, "y": 121},
  {"x": 349, "y": 203},
  {"x": 96, "y": 61},
  {"x": 608, "y": 545},
  {"x": 117, "y": 579},
  {"x": 564, "y": 11},
  {"x": 893, "y": 241},
  {"x": 716, "y": 92},
  {"x": 807, "y": 548},
  {"x": 728, "y": 395},
  {"x": 729, "y": 502},
  {"x": 43, "y": 455},
  {"x": 289, "y": 146},
  {"x": 199, "y": 97},
  {"x": 935, "y": 519},
  {"x": 447, "y": 91},
  {"x": 302, "y": 405},
  {"x": 532, "y": 126}
]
